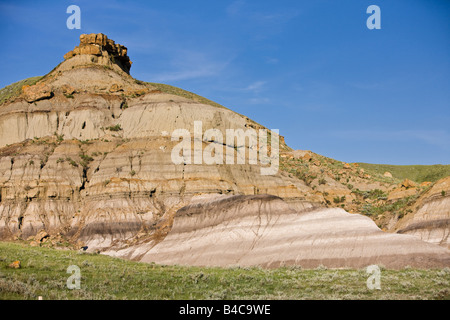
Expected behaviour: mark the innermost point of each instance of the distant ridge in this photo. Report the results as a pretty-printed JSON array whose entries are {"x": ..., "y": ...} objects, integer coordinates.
[{"x": 417, "y": 173}]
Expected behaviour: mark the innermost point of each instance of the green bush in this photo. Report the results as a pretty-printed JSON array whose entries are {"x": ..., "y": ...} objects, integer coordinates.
[{"x": 117, "y": 127}]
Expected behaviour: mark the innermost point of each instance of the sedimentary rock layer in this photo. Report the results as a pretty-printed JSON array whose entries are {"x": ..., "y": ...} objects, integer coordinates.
[
  {"x": 263, "y": 230},
  {"x": 431, "y": 221}
]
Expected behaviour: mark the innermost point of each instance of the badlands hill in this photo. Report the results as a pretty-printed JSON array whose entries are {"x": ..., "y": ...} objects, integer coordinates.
[{"x": 85, "y": 159}]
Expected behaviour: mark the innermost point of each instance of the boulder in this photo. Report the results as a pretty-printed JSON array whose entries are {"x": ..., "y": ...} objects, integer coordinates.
[
  {"x": 387, "y": 174},
  {"x": 41, "y": 236},
  {"x": 426, "y": 183},
  {"x": 67, "y": 89},
  {"x": 408, "y": 184},
  {"x": 115, "y": 88},
  {"x": 37, "y": 92}
]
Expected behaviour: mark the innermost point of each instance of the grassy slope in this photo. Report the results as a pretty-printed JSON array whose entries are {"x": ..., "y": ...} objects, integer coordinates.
[
  {"x": 13, "y": 90},
  {"x": 183, "y": 93},
  {"x": 43, "y": 273},
  {"x": 417, "y": 173}
]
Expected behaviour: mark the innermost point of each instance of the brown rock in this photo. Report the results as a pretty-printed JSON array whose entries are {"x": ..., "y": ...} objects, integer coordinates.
[
  {"x": 69, "y": 55},
  {"x": 115, "y": 88},
  {"x": 387, "y": 174},
  {"x": 37, "y": 92},
  {"x": 347, "y": 166},
  {"x": 15, "y": 265},
  {"x": 408, "y": 184},
  {"x": 67, "y": 89},
  {"x": 307, "y": 157},
  {"x": 41, "y": 235},
  {"x": 89, "y": 49},
  {"x": 99, "y": 45},
  {"x": 34, "y": 244},
  {"x": 426, "y": 183}
]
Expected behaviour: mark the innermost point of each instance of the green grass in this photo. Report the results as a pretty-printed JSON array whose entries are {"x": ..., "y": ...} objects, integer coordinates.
[
  {"x": 44, "y": 273},
  {"x": 114, "y": 128},
  {"x": 417, "y": 173},
  {"x": 15, "y": 89}
]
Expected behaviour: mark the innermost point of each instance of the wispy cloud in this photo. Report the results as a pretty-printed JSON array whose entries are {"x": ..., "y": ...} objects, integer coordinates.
[
  {"x": 188, "y": 64},
  {"x": 235, "y": 7},
  {"x": 262, "y": 22},
  {"x": 255, "y": 86},
  {"x": 259, "y": 100}
]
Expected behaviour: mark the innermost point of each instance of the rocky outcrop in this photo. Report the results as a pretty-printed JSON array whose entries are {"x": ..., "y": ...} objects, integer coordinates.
[
  {"x": 99, "y": 45},
  {"x": 36, "y": 92},
  {"x": 431, "y": 219},
  {"x": 94, "y": 164},
  {"x": 262, "y": 230}
]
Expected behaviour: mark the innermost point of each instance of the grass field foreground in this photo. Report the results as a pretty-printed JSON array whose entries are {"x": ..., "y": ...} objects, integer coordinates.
[{"x": 43, "y": 273}]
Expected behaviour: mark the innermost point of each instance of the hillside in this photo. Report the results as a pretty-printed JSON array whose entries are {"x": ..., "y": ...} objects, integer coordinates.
[
  {"x": 417, "y": 173},
  {"x": 86, "y": 158},
  {"x": 9, "y": 93}
]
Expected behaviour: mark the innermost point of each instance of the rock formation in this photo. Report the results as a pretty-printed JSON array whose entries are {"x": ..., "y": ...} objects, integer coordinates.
[
  {"x": 263, "y": 230},
  {"x": 85, "y": 155},
  {"x": 431, "y": 220},
  {"x": 101, "y": 50},
  {"x": 93, "y": 161}
]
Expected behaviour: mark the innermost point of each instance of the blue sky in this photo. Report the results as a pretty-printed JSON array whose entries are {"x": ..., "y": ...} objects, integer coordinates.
[{"x": 309, "y": 68}]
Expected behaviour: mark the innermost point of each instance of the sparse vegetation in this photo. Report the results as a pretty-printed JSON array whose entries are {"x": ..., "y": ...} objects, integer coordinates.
[
  {"x": 115, "y": 128},
  {"x": 183, "y": 93},
  {"x": 59, "y": 137},
  {"x": 375, "y": 194},
  {"x": 124, "y": 105},
  {"x": 72, "y": 162},
  {"x": 399, "y": 207},
  {"x": 339, "y": 199},
  {"x": 87, "y": 141},
  {"x": 12, "y": 91},
  {"x": 85, "y": 160}
]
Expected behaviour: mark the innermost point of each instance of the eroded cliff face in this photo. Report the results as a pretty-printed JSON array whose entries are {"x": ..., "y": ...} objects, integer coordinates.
[
  {"x": 263, "y": 230},
  {"x": 431, "y": 220},
  {"x": 86, "y": 152}
]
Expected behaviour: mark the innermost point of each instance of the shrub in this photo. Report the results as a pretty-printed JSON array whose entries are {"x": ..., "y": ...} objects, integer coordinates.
[
  {"x": 72, "y": 162},
  {"x": 124, "y": 105},
  {"x": 339, "y": 199},
  {"x": 117, "y": 127},
  {"x": 59, "y": 137}
]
